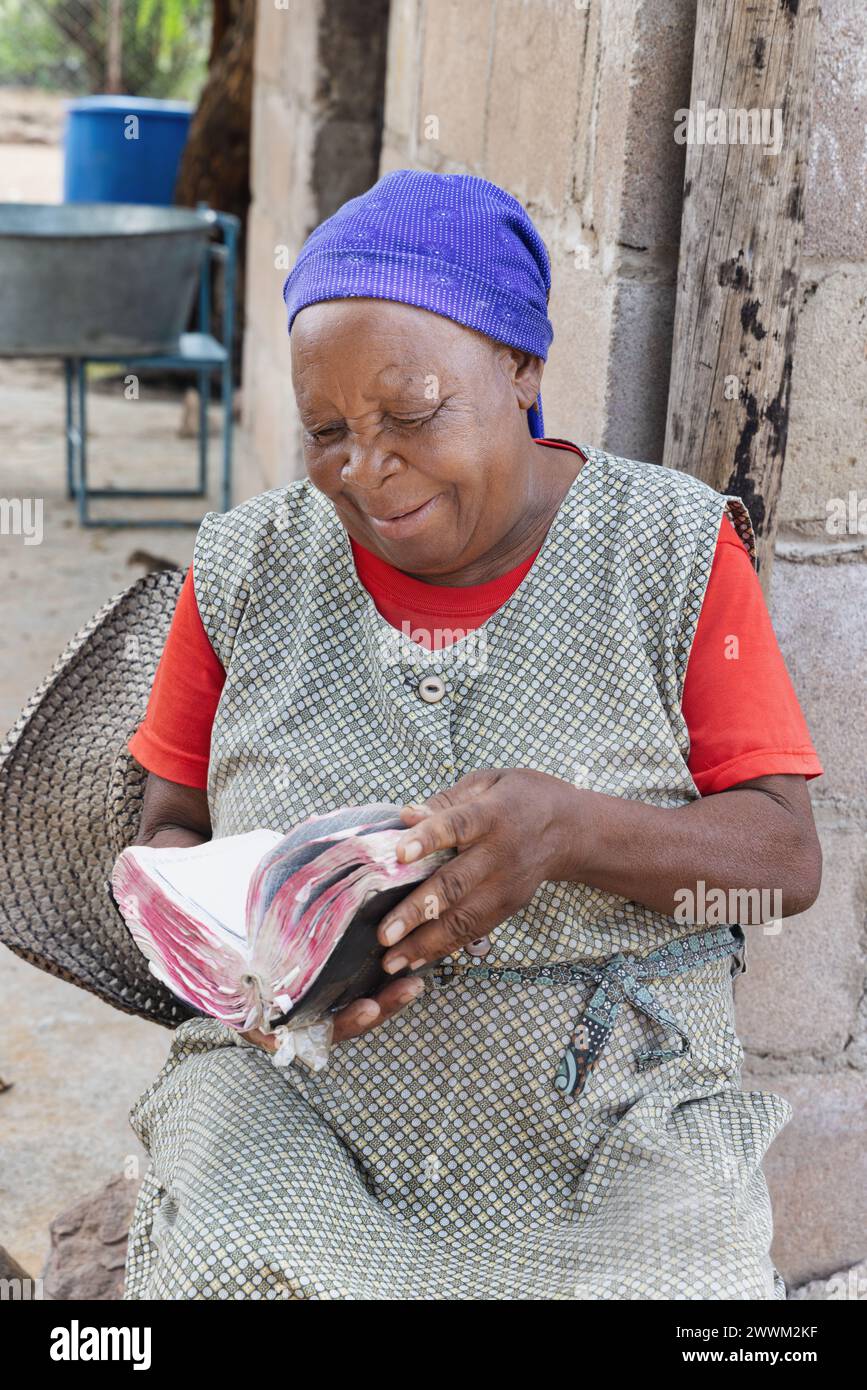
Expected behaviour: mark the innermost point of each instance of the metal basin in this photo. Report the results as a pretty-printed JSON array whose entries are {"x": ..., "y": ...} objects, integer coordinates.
[{"x": 97, "y": 279}]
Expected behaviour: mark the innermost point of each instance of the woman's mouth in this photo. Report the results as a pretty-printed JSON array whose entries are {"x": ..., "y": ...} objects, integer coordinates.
[{"x": 405, "y": 523}]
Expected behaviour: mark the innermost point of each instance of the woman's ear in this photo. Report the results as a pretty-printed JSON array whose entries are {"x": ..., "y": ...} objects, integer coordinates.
[{"x": 526, "y": 373}]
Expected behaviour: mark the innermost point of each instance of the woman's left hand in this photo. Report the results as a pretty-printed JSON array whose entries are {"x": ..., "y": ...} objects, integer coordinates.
[{"x": 513, "y": 828}]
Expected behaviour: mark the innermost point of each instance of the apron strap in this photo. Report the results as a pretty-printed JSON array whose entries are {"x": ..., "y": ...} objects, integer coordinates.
[{"x": 621, "y": 979}]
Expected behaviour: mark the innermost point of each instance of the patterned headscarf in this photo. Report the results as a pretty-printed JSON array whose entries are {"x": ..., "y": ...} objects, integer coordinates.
[{"x": 451, "y": 243}]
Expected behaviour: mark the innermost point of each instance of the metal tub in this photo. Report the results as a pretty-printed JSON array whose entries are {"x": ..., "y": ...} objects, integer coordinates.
[{"x": 97, "y": 279}]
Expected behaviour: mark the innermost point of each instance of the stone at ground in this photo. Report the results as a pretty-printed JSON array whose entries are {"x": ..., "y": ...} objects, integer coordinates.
[
  {"x": 88, "y": 1245},
  {"x": 9, "y": 1266}
]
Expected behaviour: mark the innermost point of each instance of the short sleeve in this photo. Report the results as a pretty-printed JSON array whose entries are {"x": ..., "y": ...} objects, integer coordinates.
[
  {"x": 739, "y": 705},
  {"x": 174, "y": 739}
]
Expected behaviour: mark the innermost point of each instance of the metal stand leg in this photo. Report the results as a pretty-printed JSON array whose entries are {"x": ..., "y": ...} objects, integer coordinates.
[
  {"x": 230, "y": 228},
  {"x": 71, "y": 432},
  {"x": 77, "y": 463},
  {"x": 204, "y": 400},
  {"x": 81, "y": 382},
  {"x": 202, "y": 363},
  {"x": 226, "y": 488}
]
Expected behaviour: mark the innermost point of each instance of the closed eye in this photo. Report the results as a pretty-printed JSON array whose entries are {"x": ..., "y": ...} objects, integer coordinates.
[
  {"x": 326, "y": 434},
  {"x": 408, "y": 421}
]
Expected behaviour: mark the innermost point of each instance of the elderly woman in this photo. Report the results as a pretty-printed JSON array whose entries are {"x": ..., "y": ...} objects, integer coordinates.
[{"x": 561, "y": 663}]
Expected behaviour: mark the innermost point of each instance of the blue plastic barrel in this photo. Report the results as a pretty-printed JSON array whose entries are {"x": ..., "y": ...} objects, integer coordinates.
[{"x": 123, "y": 149}]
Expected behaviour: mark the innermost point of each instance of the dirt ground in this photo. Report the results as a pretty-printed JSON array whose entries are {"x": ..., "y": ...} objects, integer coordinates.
[
  {"x": 31, "y": 157},
  {"x": 72, "y": 1064}
]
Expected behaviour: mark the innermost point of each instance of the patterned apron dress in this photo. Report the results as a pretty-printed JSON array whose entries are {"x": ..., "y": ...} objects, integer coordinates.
[{"x": 561, "y": 1121}]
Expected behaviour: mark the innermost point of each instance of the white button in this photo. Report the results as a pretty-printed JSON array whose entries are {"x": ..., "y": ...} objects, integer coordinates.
[
  {"x": 431, "y": 689},
  {"x": 479, "y": 948}
]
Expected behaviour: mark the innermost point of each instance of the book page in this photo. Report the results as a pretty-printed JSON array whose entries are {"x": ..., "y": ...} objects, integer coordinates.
[{"x": 210, "y": 881}]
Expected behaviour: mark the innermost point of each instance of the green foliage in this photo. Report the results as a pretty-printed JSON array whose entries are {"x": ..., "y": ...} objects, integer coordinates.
[
  {"x": 172, "y": 19},
  {"x": 32, "y": 50},
  {"x": 61, "y": 45}
]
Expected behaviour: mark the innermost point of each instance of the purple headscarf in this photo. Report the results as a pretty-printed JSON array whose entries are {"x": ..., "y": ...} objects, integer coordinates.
[{"x": 451, "y": 243}]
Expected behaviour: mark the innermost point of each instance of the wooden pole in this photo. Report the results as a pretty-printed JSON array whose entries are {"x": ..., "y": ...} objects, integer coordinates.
[
  {"x": 114, "y": 67},
  {"x": 747, "y": 132}
]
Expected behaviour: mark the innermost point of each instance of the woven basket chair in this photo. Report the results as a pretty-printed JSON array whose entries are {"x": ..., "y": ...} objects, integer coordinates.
[{"x": 70, "y": 801}]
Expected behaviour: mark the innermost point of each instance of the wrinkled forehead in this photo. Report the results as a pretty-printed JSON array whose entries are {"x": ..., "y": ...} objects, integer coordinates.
[{"x": 381, "y": 342}]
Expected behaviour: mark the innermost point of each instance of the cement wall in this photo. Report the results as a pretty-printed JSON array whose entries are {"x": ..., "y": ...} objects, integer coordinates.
[
  {"x": 317, "y": 117},
  {"x": 570, "y": 106}
]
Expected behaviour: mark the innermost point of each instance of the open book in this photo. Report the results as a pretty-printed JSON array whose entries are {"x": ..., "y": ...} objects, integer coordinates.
[{"x": 263, "y": 929}]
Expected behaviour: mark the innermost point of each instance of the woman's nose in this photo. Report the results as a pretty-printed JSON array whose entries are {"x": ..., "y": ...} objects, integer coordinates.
[{"x": 368, "y": 463}]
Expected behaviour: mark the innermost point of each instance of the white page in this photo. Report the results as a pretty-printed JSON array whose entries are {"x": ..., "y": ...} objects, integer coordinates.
[{"x": 210, "y": 880}]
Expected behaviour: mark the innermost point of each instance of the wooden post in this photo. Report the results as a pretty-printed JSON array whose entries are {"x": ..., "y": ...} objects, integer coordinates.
[
  {"x": 114, "y": 66},
  {"x": 737, "y": 283}
]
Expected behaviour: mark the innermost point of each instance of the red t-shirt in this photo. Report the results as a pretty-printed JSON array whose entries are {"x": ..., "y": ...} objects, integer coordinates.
[{"x": 743, "y": 716}]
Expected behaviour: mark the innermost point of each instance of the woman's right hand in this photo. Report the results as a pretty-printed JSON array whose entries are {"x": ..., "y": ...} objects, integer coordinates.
[{"x": 361, "y": 1016}]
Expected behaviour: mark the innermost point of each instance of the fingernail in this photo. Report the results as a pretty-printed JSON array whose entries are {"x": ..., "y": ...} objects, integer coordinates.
[
  {"x": 412, "y": 991},
  {"x": 411, "y": 851},
  {"x": 394, "y": 965},
  {"x": 417, "y": 964},
  {"x": 366, "y": 1013},
  {"x": 393, "y": 932}
]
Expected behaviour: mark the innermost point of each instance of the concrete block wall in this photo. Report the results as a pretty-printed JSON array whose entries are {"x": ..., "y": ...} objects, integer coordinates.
[
  {"x": 827, "y": 447},
  {"x": 570, "y": 105},
  {"x": 525, "y": 94},
  {"x": 317, "y": 116},
  {"x": 801, "y": 1007}
]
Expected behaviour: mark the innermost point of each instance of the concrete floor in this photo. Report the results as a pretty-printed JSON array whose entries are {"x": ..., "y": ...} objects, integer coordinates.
[{"x": 74, "y": 1064}]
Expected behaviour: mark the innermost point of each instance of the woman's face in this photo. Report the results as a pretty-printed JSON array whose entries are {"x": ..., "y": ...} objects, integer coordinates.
[{"x": 416, "y": 429}]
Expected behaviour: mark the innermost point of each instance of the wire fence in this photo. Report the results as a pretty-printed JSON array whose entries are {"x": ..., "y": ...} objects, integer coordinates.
[{"x": 155, "y": 48}]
